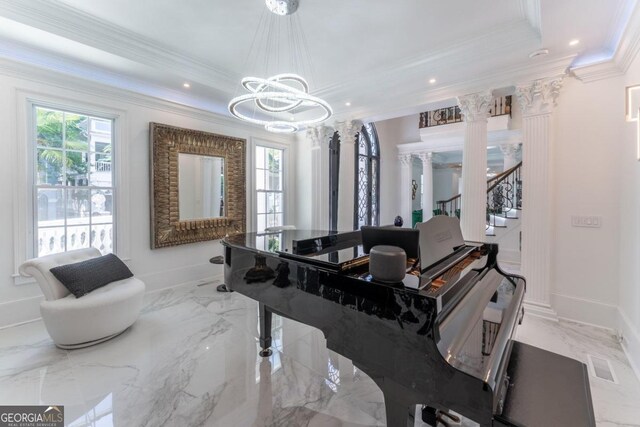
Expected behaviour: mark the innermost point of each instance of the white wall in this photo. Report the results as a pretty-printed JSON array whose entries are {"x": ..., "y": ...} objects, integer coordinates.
[
  {"x": 443, "y": 183},
  {"x": 589, "y": 121},
  {"x": 158, "y": 268},
  {"x": 629, "y": 254},
  {"x": 407, "y": 127}
]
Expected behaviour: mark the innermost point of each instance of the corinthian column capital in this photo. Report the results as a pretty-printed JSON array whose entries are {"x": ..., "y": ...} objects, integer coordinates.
[
  {"x": 509, "y": 150},
  {"x": 348, "y": 130},
  {"x": 319, "y": 135},
  {"x": 475, "y": 106},
  {"x": 539, "y": 96},
  {"x": 426, "y": 157},
  {"x": 405, "y": 159}
]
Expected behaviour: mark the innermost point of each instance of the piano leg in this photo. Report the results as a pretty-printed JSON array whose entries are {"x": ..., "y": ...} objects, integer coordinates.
[
  {"x": 265, "y": 330},
  {"x": 399, "y": 414}
]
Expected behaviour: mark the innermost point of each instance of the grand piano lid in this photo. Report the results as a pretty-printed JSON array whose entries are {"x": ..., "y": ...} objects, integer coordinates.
[
  {"x": 328, "y": 249},
  {"x": 440, "y": 237}
]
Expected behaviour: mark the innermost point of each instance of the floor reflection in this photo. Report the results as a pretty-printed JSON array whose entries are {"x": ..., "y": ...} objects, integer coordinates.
[
  {"x": 192, "y": 360},
  {"x": 101, "y": 415}
]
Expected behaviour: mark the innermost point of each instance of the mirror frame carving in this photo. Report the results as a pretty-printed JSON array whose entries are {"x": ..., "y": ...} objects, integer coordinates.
[{"x": 165, "y": 143}]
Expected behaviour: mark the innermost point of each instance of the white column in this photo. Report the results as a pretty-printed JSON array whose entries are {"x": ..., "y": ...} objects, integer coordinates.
[
  {"x": 346, "y": 183},
  {"x": 475, "y": 108},
  {"x": 427, "y": 183},
  {"x": 509, "y": 152},
  {"x": 320, "y": 136},
  {"x": 405, "y": 188},
  {"x": 537, "y": 101}
]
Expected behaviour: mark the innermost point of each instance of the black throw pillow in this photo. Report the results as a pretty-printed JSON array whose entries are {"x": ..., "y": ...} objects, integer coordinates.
[{"x": 85, "y": 276}]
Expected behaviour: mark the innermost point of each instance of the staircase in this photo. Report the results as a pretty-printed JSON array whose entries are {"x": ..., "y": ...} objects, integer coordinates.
[
  {"x": 504, "y": 203},
  {"x": 504, "y": 198}
]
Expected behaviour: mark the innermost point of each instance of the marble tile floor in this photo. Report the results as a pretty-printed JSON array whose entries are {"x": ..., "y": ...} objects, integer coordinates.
[{"x": 191, "y": 360}]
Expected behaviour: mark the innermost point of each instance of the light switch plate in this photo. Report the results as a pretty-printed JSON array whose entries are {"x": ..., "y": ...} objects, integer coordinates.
[{"x": 592, "y": 221}]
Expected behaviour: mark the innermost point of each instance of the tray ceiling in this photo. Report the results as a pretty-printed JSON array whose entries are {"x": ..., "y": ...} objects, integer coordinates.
[{"x": 376, "y": 54}]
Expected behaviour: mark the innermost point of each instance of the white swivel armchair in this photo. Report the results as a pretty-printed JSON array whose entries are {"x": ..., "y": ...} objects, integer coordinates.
[{"x": 91, "y": 319}]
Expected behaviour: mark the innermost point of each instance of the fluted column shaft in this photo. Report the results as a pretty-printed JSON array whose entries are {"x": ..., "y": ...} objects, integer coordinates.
[
  {"x": 475, "y": 108},
  {"x": 427, "y": 185},
  {"x": 320, "y": 176},
  {"x": 537, "y": 101},
  {"x": 346, "y": 183},
  {"x": 405, "y": 188}
]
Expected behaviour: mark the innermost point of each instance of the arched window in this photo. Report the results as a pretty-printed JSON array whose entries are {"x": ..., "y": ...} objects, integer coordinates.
[{"x": 367, "y": 185}]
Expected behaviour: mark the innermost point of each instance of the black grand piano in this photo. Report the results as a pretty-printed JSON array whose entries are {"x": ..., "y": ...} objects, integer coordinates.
[{"x": 441, "y": 338}]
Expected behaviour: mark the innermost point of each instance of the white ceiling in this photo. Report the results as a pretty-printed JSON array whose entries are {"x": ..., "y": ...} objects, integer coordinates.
[{"x": 376, "y": 54}]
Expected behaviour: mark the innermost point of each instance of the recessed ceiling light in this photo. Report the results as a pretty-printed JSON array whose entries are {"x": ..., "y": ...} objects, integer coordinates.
[
  {"x": 187, "y": 85},
  {"x": 348, "y": 104},
  {"x": 432, "y": 81},
  {"x": 574, "y": 42}
]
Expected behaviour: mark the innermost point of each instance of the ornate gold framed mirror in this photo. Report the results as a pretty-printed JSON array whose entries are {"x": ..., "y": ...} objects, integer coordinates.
[{"x": 197, "y": 185}]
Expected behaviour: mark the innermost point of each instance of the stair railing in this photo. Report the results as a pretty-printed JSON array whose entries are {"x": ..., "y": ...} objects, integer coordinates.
[
  {"x": 449, "y": 207},
  {"x": 504, "y": 198}
]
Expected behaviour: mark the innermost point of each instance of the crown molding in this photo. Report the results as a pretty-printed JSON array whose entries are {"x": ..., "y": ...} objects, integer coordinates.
[
  {"x": 626, "y": 51},
  {"x": 81, "y": 86},
  {"x": 598, "y": 71},
  {"x": 630, "y": 42},
  {"x": 20, "y": 53},
  {"x": 63, "y": 20}
]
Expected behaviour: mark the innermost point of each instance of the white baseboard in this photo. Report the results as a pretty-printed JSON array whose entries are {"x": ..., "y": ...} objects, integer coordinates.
[
  {"x": 630, "y": 341},
  {"x": 540, "y": 310},
  {"x": 587, "y": 311},
  {"x": 20, "y": 311},
  {"x": 181, "y": 275},
  {"x": 13, "y": 313}
]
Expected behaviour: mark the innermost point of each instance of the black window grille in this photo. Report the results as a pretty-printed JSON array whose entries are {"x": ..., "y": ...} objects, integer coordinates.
[
  {"x": 334, "y": 178},
  {"x": 367, "y": 177}
]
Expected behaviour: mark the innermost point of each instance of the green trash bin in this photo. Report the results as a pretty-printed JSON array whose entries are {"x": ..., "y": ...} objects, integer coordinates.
[{"x": 416, "y": 217}]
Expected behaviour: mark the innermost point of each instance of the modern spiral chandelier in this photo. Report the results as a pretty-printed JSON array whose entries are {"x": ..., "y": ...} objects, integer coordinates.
[{"x": 281, "y": 103}]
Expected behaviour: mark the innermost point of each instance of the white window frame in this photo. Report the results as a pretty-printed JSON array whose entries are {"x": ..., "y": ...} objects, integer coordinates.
[
  {"x": 36, "y": 186},
  {"x": 24, "y": 151},
  {"x": 252, "y": 196}
]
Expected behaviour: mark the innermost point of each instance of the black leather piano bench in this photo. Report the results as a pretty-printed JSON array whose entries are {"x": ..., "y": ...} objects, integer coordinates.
[{"x": 546, "y": 389}]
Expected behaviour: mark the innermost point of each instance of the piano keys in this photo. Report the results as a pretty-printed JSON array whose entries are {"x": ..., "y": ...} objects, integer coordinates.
[{"x": 442, "y": 338}]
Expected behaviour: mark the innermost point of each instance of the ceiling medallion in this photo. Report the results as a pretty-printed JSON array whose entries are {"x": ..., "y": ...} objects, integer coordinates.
[{"x": 282, "y": 100}]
